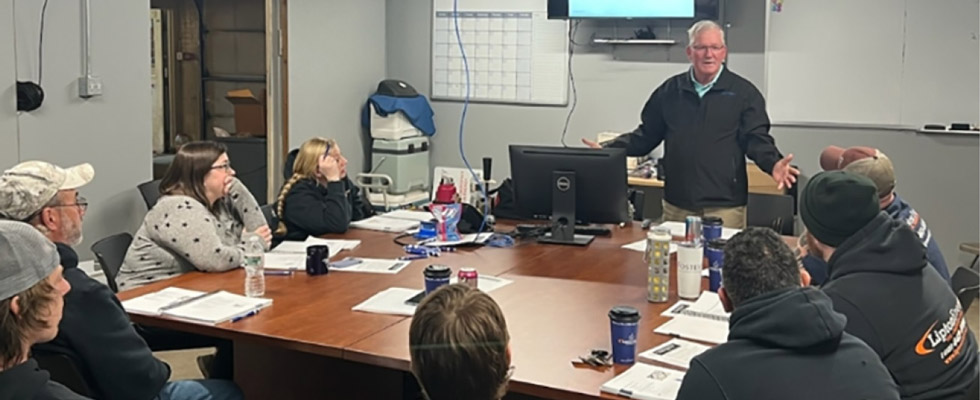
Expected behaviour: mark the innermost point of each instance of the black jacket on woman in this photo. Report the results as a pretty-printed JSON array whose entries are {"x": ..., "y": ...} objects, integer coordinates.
[{"x": 314, "y": 209}]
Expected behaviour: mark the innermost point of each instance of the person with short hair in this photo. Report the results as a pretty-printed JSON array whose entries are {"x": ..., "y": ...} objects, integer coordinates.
[
  {"x": 709, "y": 119},
  {"x": 783, "y": 335},
  {"x": 880, "y": 279},
  {"x": 459, "y": 345},
  {"x": 199, "y": 222},
  {"x": 32, "y": 290},
  {"x": 94, "y": 331},
  {"x": 875, "y": 165},
  {"x": 318, "y": 198}
]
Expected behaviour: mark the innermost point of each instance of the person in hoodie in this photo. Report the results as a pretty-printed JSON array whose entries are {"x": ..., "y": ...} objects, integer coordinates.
[
  {"x": 783, "y": 335},
  {"x": 881, "y": 280},
  {"x": 32, "y": 290},
  {"x": 94, "y": 331},
  {"x": 875, "y": 165},
  {"x": 318, "y": 198}
]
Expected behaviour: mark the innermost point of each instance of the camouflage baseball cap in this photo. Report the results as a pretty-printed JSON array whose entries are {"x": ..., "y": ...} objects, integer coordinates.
[
  {"x": 28, "y": 186},
  {"x": 28, "y": 258}
]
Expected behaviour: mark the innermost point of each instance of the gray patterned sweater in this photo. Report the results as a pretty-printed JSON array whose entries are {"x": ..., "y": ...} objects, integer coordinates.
[{"x": 180, "y": 235}]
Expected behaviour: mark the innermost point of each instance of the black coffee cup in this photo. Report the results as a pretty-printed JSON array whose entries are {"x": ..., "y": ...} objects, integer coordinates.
[{"x": 316, "y": 259}]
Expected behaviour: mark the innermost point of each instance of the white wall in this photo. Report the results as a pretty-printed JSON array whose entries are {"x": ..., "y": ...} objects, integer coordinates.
[
  {"x": 113, "y": 131},
  {"x": 8, "y": 86},
  {"x": 336, "y": 59}
]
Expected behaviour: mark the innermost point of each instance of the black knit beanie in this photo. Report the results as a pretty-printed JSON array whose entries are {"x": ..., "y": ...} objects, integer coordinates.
[{"x": 836, "y": 204}]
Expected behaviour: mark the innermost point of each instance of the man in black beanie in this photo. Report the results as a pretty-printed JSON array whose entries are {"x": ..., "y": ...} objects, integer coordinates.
[{"x": 880, "y": 280}]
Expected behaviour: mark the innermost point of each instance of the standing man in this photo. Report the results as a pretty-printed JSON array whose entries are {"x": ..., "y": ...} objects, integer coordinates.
[{"x": 710, "y": 118}]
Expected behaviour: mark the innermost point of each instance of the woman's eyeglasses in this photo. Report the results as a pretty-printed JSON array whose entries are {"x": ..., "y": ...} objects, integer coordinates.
[{"x": 225, "y": 166}]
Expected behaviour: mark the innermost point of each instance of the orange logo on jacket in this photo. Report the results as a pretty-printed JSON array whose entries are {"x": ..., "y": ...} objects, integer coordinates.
[{"x": 949, "y": 335}]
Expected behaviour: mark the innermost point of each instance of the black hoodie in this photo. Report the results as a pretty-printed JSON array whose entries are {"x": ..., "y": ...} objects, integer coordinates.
[
  {"x": 28, "y": 382},
  {"x": 95, "y": 331},
  {"x": 903, "y": 309},
  {"x": 312, "y": 209},
  {"x": 788, "y": 344}
]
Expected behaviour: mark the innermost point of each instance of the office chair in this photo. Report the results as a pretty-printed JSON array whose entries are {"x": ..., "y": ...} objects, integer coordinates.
[
  {"x": 151, "y": 192},
  {"x": 636, "y": 198},
  {"x": 64, "y": 370},
  {"x": 287, "y": 169},
  {"x": 966, "y": 285},
  {"x": 772, "y": 211},
  {"x": 110, "y": 252}
]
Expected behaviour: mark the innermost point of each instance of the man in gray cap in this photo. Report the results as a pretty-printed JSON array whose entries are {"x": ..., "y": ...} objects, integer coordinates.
[
  {"x": 95, "y": 330},
  {"x": 880, "y": 279},
  {"x": 32, "y": 291}
]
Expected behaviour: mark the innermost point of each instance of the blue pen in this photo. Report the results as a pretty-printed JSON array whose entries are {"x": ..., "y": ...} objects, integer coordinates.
[
  {"x": 243, "y": 316},
  {"x": 413, "y": 257},
  {"x": 280, "y": 272}
]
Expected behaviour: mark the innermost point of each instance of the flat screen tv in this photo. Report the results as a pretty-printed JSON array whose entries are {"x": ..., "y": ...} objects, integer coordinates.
[{"x": 574, "y": 9}]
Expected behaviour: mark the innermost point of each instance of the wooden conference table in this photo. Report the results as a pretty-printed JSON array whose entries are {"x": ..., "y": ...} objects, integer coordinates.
[{"x": 309, "y": 344}]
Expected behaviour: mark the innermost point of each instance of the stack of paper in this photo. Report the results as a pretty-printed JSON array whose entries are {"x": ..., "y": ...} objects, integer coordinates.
[
  {"x": 285, "y": 261},
  {"x": 395, "y": 221},
  {"x": 393, "y": 300},
  {"x": 704, "y": 320},
  {"x": 676, "y": 352},
  {"x": 335, "y": 245},
  {"x": 375, "y": 265},
  {"x": 470, "y": 238},
  {"x": 194, "y": 306},
  {"x": 647, "y": 382}
]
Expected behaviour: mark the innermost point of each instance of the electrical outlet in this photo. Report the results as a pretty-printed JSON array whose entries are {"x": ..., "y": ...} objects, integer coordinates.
[{"x": 89, "y": 86}]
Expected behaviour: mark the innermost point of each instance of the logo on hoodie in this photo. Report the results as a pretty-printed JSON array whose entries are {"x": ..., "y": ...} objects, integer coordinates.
[{"x": 948, "y": 336}]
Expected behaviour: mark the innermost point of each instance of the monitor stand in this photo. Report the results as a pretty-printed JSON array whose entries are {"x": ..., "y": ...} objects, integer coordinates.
[{"x": 563, "y": 212}]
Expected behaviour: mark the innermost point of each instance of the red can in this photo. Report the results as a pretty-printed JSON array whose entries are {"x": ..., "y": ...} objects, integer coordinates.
[{"x": 469, "y": 277}]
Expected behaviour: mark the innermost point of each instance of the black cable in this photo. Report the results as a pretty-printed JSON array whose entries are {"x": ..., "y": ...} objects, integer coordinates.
[
  {"x": 40, "y": 44},
  {"x": 571, "y": 77}
]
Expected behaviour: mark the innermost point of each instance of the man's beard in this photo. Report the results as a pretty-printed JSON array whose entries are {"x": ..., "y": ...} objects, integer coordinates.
[{"x": 73, "y": 233}]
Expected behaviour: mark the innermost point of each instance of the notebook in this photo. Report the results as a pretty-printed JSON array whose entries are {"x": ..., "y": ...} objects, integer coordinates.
[
  {"x": 703, "y": 320},
  {"x": 676, "y": 352},
  {"x": 209, "y": 308},
  {"x": 646, "y": 382}
]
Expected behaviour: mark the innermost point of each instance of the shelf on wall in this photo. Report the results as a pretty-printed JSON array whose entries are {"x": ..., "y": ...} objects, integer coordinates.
[{"x": 634, "y": 41}]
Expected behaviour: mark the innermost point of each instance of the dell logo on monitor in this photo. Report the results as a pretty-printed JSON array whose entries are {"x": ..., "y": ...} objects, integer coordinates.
[{"x": 563, "y": 184}]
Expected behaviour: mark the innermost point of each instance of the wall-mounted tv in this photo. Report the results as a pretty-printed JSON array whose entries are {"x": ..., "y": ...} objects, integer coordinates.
[{"x": 572, "y": 9}]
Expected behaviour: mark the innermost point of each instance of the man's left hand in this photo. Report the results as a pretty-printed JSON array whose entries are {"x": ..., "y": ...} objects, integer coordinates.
[{"x": 784, "y": 174}]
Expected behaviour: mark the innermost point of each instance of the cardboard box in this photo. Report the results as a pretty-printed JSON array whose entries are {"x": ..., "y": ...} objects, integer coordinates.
[{"x": 249, "y": 112}]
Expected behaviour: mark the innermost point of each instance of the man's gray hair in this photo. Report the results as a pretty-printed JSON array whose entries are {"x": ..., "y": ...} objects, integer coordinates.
[{"x": 702, "y": 26}]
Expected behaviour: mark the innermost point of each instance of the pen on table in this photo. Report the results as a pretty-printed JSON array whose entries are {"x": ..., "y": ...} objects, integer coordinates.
[
  {"x": 413, "y": 257},
  {"x": 396, "y": 266},
  {"x": 243, "y": 316},
  {"x": 279, "y": 272},
  {"x": 188, "y": 300}
]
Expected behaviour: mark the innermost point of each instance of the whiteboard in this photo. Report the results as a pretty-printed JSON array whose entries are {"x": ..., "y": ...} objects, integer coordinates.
[
  {"x": 514, "y": 53},
  {"x": 874, "y": 62}
]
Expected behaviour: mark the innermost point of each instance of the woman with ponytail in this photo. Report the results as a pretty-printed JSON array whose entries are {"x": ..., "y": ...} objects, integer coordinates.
[{"x": 318, "y": 198}]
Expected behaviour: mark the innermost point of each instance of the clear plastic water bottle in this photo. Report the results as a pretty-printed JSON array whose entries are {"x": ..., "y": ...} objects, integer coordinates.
[{"x": 254, "y": 262}]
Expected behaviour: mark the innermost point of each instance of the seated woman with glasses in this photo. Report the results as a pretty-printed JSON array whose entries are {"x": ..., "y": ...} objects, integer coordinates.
[
  {"x": 318, "y": 198},
  {"x": 200, "y": 222}
]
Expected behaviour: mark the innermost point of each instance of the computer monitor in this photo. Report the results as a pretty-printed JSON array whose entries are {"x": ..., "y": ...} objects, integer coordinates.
[{"x": 569, "y": 185}]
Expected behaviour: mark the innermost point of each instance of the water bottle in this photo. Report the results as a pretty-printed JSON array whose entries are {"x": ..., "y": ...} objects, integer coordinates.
[{"x": 254, "y": 262}]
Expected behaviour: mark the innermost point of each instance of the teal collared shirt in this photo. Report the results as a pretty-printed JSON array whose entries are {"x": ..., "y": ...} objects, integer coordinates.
[{"x": 702, "y": 89}]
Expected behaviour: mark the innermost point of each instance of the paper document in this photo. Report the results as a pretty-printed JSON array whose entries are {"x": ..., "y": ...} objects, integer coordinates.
[
  {"x": 335, "y": 245},
  {"x": 695, "y": 328},
  {"x": 375, "y": 265},
  {"x": 154, "y": 303},
  {"x": 707, "y": 306},
  {"x": 218, "y": 307},
  {"x": 641, "y": 246},
  {"x": 384, "y": 224},
  {"x": 392, "y": 300},
  {"x": 409, "y": 215},
  {"x": 287, "y": 261},
  {"x": 389, "y": 301},
  {"x": 470, "y": 238},
  {"x": 646, "y": 382},
  {"x": 676, "y": 352},
  {"x": 679, "y": 229}
]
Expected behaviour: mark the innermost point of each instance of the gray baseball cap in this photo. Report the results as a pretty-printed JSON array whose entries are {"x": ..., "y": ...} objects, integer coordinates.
[
  {"x": 28, "y": 186},
  {"x": 27, "y": 258}
]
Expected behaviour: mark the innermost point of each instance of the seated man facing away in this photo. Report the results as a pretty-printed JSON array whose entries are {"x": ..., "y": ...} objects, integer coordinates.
[
  {"x": 875, "y": 165},
  {"x": 459, "y": 345},
  {"x": 784, "y": 336},
  {"x": 31, "y": 299},
  {"x": 95, "y": 331},
  {"x": 881, "y": 281}
]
